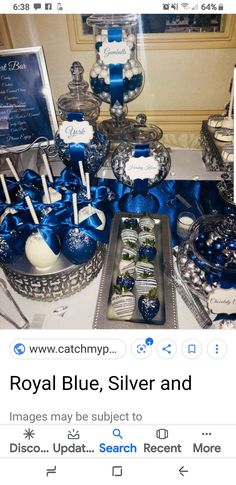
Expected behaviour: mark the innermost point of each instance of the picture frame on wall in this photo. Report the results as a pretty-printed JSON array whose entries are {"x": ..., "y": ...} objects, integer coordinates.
[
  {"x": 160, "y": 32},
  {"x": 27, "y": 110}
]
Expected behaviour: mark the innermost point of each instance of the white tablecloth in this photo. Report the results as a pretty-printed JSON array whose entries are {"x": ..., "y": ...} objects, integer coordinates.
[{"x": 79, "y": 311}]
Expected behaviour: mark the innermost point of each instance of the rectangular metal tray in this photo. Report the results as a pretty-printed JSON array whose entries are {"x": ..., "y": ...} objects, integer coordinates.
[
  {"x": 216, "y": 146},
  {"x": 167, "y": 315}
]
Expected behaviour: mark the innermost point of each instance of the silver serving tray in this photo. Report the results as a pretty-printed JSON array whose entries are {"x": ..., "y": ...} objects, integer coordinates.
[
  {"x": 61, "y": 281},
  {"x": 167, "y": 316}
]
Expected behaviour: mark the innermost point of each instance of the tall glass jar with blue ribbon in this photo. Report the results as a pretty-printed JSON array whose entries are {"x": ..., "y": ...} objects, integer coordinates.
[
  {"x": 79, "y": 138},
  {"x": 117, "y": 76},
  {"x": 140, "y": 162}
]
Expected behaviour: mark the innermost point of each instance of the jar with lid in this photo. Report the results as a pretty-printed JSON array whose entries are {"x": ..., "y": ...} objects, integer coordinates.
[
  {"x": 140, "y": 161},
  {"x": 117, "y": 76},
  {"x": 207, "y": 260},
  {"x": 79, "y": 138}
]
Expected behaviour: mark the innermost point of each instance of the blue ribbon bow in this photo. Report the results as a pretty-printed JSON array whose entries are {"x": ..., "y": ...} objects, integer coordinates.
[
  {"x": 89, "y": 227},
  {"x": 140, "y": 200},
  {"x": 49, "y": 228},
  {"x": 30, "y": 182}
]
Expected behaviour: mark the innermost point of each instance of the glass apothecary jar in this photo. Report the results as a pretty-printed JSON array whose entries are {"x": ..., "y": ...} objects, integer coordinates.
[
  {"x": 207, "y": 260},
  {"x": 117, "y": 76},
  {"x": 79, "y": 138},
  {"x": 140, "y": 162},
  {"x": 141, "y": 155}
]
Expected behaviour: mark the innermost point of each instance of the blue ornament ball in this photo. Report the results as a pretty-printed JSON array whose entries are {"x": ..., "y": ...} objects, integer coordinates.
[
  {"x": 126, "y": 84},
  {"x": 77, "y": 246},
  {"x": 211, "y": 277},
  {"x": 232, "y": 244},
  {"x": 202, "y": 236},
  {"x": 200, "y": 244},
  {"x": 132, "y": 84},
  {"x": 220, "y": 259},
  {"x": 98, "y": 45},
  {"x": 106, "y": 88},
  {"x": 218, "y": 245},
  {"x": 192, "y": 256}
]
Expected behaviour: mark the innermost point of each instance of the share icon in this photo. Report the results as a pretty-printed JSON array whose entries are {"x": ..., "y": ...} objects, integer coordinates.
[{"x": 166, "y": 349}]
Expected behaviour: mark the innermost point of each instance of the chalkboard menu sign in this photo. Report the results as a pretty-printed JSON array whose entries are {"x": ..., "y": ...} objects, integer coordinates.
[{"x": 26, "y": 105}]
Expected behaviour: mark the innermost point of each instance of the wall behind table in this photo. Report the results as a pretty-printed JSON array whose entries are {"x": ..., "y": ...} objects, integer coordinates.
[{"x": 181, "y": 87}]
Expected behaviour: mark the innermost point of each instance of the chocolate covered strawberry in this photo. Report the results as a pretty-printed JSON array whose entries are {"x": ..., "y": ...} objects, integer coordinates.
[
  {"x": 149, "y": 305},
  {"x": 123, "y": 303},
  {"x": 126, "y": 281},
  {"x": 147, "y": 251}
]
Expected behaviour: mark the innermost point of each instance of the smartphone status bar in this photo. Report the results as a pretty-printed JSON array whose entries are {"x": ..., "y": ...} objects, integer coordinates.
[{"x": 138, "y": 6}]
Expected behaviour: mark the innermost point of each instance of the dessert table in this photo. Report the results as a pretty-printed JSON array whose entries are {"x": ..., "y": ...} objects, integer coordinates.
[{"x": 77, "y": 311}]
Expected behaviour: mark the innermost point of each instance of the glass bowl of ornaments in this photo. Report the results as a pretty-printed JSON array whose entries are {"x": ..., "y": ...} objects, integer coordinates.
[
  {"x": 141, "y": 155},
  {"x": 117, "y": 76},
  {"x": 207, "y": 260},
  {"x": 80, "y": 105}
]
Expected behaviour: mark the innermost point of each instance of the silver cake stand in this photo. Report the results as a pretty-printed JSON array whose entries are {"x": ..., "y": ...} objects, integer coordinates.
[{"x": 63, "y": 280}]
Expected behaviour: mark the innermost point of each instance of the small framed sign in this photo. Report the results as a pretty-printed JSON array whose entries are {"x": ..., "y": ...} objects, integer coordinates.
[{"x": 26, "y": 105}]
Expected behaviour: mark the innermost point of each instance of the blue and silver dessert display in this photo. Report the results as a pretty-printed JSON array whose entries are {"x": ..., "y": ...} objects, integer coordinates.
[
  {"x": 140, "y": 162},
  {"x": 79, "y": 138},
  {"x": 30, "y": 248},
  {"x": 207, "y": 260},
  {"x": 117, "y": 76}
]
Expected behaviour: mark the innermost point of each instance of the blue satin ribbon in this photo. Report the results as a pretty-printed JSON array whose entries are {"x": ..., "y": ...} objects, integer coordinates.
[
  {"x": 165, "y": 194},
  {"x": 115, "y": 34},
  {"x": 139, "y": 199},
  {"x": 49, "y": 228},
  {"x": 30, "y": 182},
  {"x": 140, "y": 187},
  {"x": 68, "y": 179},
  {"x": 99, "y": 200},
  {"x": 116, "y": 70},
  {"x": 20, "y": 207},
  {"x": 226, "y": 281},
  {"x": 72, "y": 183},
  {"x": 142, "y": 150},
  {"x": 77, "y": 150},
  {"x": 225, "y": 316},
  {"x": 89, "y": 227}
]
